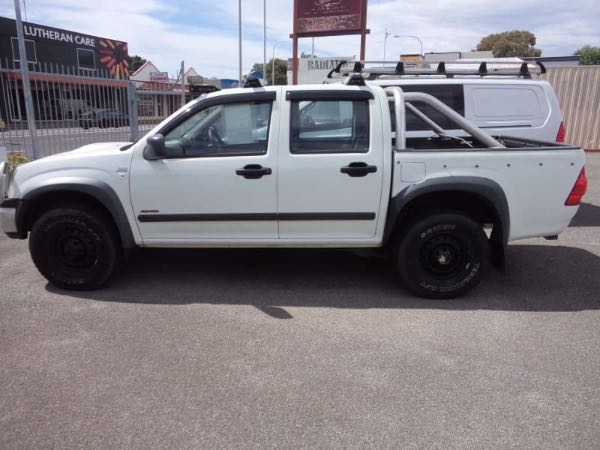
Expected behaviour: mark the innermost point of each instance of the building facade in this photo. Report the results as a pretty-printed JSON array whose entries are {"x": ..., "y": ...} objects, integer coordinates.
[{"x": 70, "y": 72}]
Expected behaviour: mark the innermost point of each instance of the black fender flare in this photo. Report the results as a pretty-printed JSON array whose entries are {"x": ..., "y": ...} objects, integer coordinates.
[
  {"x": 485, "y": 188},
  {"x": 99, "y": 190}
]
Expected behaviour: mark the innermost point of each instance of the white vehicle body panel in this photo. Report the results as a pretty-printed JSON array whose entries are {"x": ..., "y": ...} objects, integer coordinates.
[
  {"x": 535, "y": 182},
  {"x": 100, "y": 163},
  {"x": 313, "y": 183}
]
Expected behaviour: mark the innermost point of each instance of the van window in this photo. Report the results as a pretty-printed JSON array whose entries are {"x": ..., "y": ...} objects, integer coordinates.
[
  {"x": 499, "y": 101},
  {"x": 450, "y": 94}
]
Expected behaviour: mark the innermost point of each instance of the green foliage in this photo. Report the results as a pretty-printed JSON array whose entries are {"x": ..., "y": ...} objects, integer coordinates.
[
  {"x": 280, "y": 71},
  {"x": 510, "y": 43},
  {"x": 135, "y": 62},
  {"x": 14, "y": 159},
  {"x": 589, "y": 55}
]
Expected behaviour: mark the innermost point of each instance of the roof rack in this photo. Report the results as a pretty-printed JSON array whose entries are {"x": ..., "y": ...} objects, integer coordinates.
[
  {"x": 252, "y": 82},
  {"x": 446, "y": 69}
]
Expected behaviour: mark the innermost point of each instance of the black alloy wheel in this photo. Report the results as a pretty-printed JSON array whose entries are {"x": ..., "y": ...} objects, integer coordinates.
[
  {"x": 75, "y": 247},
  {"x": 442, "y": 255}
]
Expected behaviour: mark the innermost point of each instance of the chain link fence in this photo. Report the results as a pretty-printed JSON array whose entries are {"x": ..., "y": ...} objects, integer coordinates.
[{"x": 75, "y": 107}]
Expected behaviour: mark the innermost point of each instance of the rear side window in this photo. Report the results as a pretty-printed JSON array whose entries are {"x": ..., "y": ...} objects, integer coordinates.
[
  {"x": 450, "y": 94},
  {"x": 329, "y": 126}
]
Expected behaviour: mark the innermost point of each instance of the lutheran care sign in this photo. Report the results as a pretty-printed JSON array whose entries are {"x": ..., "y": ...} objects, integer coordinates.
[
  {"x": 49, "y": 48},
  {"x": 36, "y": 31}
]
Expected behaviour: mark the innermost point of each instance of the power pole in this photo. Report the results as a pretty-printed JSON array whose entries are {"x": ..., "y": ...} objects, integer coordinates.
[
  {"x": 240, "y": 39},
  {"x": 182, "y": 83},
  {"x": 265, "y": 39},
  {"x": 25, "y": 79}
]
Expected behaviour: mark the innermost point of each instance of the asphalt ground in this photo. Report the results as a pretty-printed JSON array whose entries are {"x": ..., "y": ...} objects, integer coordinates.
[{"x": 280, "y": 348}]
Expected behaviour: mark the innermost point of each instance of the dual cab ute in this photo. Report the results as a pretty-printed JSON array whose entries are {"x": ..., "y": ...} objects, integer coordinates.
[{"x": 296, "y": 166}]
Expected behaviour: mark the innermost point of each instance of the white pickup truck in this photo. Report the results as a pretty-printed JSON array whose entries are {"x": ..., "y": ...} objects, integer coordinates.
[{"x": 296, "y": 166}]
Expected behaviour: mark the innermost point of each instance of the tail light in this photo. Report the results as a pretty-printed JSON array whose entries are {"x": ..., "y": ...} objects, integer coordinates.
[
  {"x": 562, "y": 131},
  {"x": 578, "y": 190}
]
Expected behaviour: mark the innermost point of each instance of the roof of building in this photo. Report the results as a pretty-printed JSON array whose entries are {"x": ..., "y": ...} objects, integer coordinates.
[{"x": 143, "y": 67}]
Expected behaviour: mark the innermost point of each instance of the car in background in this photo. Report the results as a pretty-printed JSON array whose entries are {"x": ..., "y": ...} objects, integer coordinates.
[{"x": 103, "y": 118}]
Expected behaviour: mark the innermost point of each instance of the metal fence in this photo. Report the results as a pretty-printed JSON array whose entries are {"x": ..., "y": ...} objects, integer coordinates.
[
  {"x": 73, "y": 108},
  {"x": 578, "y": 92}
]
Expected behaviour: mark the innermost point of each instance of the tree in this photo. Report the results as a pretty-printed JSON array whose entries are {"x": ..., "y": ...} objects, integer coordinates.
[
  {"x": 280, "y": 70},
  {"x": 510, "y": 43},
  {"x": 588, "y": 55},
  {"x": 135, "y": 62}
]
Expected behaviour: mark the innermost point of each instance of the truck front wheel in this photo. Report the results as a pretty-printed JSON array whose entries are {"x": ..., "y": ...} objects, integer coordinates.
[
  {"x": 442, "y": 255},
  {"x": 74, "y": 247}
]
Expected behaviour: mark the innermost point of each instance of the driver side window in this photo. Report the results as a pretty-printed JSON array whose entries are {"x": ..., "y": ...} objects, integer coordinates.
[{"x": 233, "y": 129}]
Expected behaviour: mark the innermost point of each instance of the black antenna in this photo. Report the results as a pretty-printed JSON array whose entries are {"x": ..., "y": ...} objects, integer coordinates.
[
  {"x": 357, "y": 67},
  {"x": 483, "y": 68},
  {"x": 441, "y": 68},
  {"x": 399, "y": 68}
]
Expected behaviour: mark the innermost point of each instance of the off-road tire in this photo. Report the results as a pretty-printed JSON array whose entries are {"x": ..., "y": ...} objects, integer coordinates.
[
  {"x": 75, "y": 247},
  {"x": 442, "y": 255}
]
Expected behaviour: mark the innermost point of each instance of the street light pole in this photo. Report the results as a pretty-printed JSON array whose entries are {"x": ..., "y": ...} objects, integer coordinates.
[
  {"x": 24, "y": 61},
  {"x": 411, "y": 36},
  {"x": 265, "y": 39},
  {"x": 273, "y": 62},
  {"x": 240, "y": 40},
  {"x": 385, "y": 38}
]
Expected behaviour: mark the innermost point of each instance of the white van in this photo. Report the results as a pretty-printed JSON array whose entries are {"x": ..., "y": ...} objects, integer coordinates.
[
  {"x": 498, "y": 95},
  {"x": 524, "y": 108}
]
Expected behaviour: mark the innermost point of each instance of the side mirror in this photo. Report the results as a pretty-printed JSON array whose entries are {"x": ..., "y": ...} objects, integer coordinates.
[{"x": 155, "y": 147}]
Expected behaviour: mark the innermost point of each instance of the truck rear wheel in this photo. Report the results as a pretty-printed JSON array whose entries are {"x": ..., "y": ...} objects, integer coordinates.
[
  {"x": 442, "y": 255},
  {"x": 74, "y": 247}
]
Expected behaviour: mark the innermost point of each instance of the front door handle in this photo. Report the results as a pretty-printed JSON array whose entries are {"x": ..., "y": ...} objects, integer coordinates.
[
  {"x": 358, "y": 169},
  {"x": 253, "y": 171}
]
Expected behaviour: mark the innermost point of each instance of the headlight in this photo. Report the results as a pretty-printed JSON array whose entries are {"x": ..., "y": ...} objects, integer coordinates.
[{"x": 6, "y": 176}]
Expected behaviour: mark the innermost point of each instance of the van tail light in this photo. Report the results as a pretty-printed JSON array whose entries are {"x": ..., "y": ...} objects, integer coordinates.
[
  {"x": 562, "y": 131},
  {"x": 578, "y": 190}
]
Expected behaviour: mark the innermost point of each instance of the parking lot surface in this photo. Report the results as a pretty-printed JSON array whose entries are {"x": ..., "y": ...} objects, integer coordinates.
[{"x": 282, "y": 348}]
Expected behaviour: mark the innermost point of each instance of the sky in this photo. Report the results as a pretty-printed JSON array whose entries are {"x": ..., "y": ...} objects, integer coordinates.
[{"x": 204, "y": 33}]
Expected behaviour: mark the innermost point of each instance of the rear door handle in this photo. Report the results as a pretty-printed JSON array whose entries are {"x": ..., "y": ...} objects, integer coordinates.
[
  {"x": 358, "y": 169},
  {"x": 253, "y": 171}
]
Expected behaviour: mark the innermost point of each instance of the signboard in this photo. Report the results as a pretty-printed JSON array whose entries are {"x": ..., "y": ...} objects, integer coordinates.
[
  {"x": 315, "y": 70},
  {"x": 160, "y": 77},
  {"x": 314, "y": 18},
  {"x": 56, "y": 47},
  {"x": 329, "y": 17},
  {"x": 42, "y": 32}
]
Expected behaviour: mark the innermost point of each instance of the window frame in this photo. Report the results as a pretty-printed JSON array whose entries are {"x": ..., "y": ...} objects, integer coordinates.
[
  {"x": 225, "y": 100},
  {"x": 14, "y": 40},
  {"x": 295, "y": 97},
  {"x": 79, "y": 62}
]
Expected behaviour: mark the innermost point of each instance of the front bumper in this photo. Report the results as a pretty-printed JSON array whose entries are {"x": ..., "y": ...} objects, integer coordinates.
[{"x": 8, "y": 217}]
